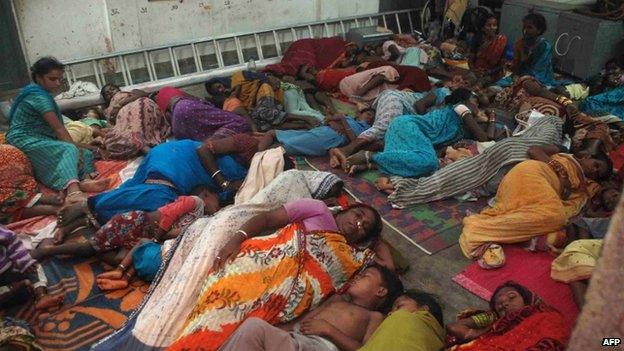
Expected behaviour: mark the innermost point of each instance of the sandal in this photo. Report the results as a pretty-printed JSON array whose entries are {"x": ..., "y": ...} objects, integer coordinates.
[{"x": 491, "y": 256}]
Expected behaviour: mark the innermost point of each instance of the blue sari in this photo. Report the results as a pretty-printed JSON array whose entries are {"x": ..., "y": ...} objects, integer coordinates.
[
  {"x": 317, "y": 141},
  {"x": 410, "y": 141},
  {"x": 539, "y": 65},
  {"x": 609, "y": 102},
  {"x": 174, "y": 162}
]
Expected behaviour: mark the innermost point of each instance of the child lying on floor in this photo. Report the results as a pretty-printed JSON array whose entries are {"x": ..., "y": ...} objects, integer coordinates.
[
  {"x": 339, "y": 131},
  {"x": 125, "y": 231},
  {"x": 415, "y": 324},
  {"x": 342, "y": 322},
  {"x": 517, "y": 320},
  {"x": 21, "y": 276}
]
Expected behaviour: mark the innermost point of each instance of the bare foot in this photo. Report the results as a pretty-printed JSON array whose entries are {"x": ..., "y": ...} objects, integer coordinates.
[
  {"x": 70, "y": 213},
  {"x": 114, "y": 274},
  {"x": 94, "y": 186},
  {"x": 55, "y": 200},
  {"x": 337, "y": 158},
  {"x": 110, "y": 284},
  {"x": 384, "y": 184},
  {"x": 355, "y": 169},
  {"x": 48, "y": 301},
  {"x": 359, "y": 158},
  {"x": 42, "y": 250},
  {"x": 77, "y": 197}
]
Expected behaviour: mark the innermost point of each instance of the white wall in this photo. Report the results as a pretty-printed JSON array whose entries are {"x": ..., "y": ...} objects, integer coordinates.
[{"x": 70, "y": 29}]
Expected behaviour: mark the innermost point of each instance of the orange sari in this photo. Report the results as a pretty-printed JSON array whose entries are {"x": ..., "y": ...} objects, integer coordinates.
[{"x": 276, "y": 278}]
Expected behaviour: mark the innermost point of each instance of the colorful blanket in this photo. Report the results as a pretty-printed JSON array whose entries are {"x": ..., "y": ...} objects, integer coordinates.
[
  {"x": 87, "y": 314},
  {"x": 432, "y": 227}
]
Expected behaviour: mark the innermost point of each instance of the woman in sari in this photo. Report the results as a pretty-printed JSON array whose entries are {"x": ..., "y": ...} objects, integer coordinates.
[
  {"x": 533, "y": 54},
  {"x": 410, "y": 140},
  {"x": 558, "y": 189},
  {"x": 262, "y": 97},
  {"x": 195, "y": 119},
  {"x": 219, "y": 165},
  {"x": 488, "y": 50},
  {"x": 178, "y": 285},
  {"x": 138, "y": 123},
  {"x": 36, "y": 128},
  {"x": 479, "y": 174},
  {"x": 286, "y": 273},
  {"x": 517, "y": 320},
  {"x": 19, "y": 192}
]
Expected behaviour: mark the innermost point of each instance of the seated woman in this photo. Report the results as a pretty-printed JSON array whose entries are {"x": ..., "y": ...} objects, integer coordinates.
[
  {"x": 36, "y": 128},
  {"x": 293, "y": 257},
  {"x": 480, "y": 174},
  {"x": 221, "y": 166},
  {"x": 262, "y": 97},
  {"x": 339, "y": 131},
  {"x": 20, "y": 197},
  {"x": 487, "y": 51},
  {"x": 138, "y": 123},
  {"x": 559, "y": 188},
  {"x": 533, "y": 54},
  {"x": 410, "y": 140},
  {"x": 517, "y": 320},
  {"x": 195, "y": 119}
]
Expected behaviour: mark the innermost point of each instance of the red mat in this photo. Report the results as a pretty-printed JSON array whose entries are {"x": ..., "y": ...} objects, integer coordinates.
[{"x": 527, "y": 268}]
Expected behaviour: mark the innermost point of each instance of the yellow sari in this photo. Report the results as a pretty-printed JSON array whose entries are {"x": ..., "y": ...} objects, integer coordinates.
[{"x": 528, "y": 204}]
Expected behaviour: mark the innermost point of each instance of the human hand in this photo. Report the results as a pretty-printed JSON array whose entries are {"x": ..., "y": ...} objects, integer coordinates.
[
  {"x": 565, "y": 187},
  {"x": 233, "y": 185},
  {"x": 315, "y": 326},
  {"x": 228, "y": 252}
]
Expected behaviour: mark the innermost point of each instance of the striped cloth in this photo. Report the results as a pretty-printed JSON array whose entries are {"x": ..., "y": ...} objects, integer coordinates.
[
  {"x": 13, "y": 253},
  {"x": 390, "y": 104},
  {"x": 468, "y": 174}
]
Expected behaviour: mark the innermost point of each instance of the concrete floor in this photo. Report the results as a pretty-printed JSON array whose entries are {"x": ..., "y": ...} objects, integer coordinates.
[{"x": 433, "y": 273}]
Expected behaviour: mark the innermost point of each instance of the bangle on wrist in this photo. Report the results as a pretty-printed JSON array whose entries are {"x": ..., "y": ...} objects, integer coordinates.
[
  {"x": 225, "y": 184},
  {"x": 215, "y": 173},
  {"x": 243, "y": 233},
  {"x": 123, "y": 268}
]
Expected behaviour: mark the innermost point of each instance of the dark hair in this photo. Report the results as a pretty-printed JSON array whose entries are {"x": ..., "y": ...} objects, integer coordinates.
[
  {"x": 103, "y": 90},
  {"x": 527, "y": 295},
  {"x": 392, "y": 283},
  {"x": 457, "y": 96},
  {"x": 375, "y": 232},
  {"x": 366, "y": 109},
  {"x": 479, "y": 37},
  {"x": 43, "y": 66},
  {"x": 426, "y": 299},
  {"x": 601, "y": 156},
  {"x": 537, "y": 20}
]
